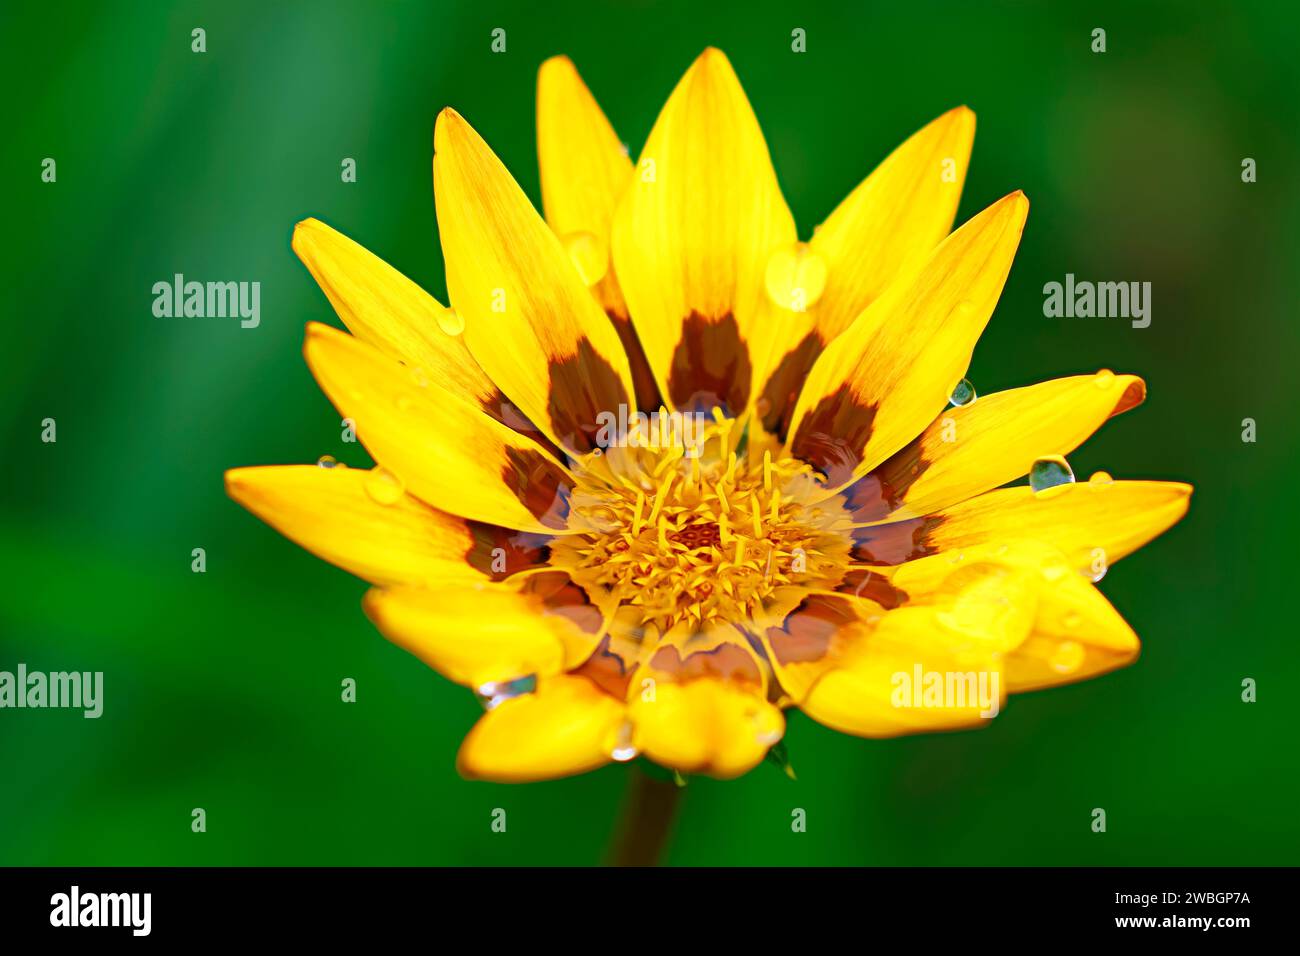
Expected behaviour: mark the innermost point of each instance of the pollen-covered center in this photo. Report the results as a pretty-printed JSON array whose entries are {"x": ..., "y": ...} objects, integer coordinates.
[{"x": 685, "y": 519}]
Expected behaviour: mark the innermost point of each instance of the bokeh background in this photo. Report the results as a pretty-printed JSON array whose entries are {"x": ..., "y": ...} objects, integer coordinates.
[{"x": 223, "y": 688}]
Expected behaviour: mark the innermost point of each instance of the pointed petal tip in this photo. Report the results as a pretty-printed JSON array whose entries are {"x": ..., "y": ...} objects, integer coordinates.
[
  {"x": 313, "y": 335},
  {"x": 711, "y": 61},
  {"x": 558, "y": 66},
  {"x": 448, "y": 123},
  {"x": 234, "y": 481},
  {"x": 304, "y": 231},
  {"x": 1134, "y": 394}
]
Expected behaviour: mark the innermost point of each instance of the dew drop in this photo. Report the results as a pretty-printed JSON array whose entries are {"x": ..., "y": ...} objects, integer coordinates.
[
  {"x": 329, "y": 461},
  {"x": 1104, "y": 379},
  {"x": 451, "y": 322},
  {"x": 964, "y": 308},
  {"x": 384, "y": 486},
  {"x": 1072, "y": 620},
  {"x": 419, "y": 377},
  {"x": 1100, "y": 480},
  {"x": 623, "y": 749},
  {"x": 1050, "y": 472},
  {"x": 963, "y": 394},
  {"x": 795, "y": 277},
  {"x": 495, "y": 693},
  {"x": 588, "y": 254},
  {"x": 1068, "y": 657}
]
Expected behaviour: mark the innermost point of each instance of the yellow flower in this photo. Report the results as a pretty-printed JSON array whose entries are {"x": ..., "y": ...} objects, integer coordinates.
[{"x": 665, "y": 470}]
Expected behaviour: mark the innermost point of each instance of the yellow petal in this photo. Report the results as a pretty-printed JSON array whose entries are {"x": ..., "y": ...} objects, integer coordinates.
[
  {"x": 919, "y": 669},
  {"x": 1094, "y": 525},
  {"x": 889, "y": 224},
  {"x": 968, "y": 450},
  {"x": 886, "y": 695},
  {"x": 567, "y": 726},
  {"x": 707, "y": 726},
  {"x": 385, "y": 308},
  {"x": 446, "y": 452},
  {"x": 1077, "y": 635},
  {"x": 692, "y": 238},
  {"x": 329, "y": 512},
  {"x": 883, "y": 230},
  {"x": 885, "y": 378},
  {"x": 529, "y": 319},
  {"x": 979, "y": 606},
  {"x": 811, "y": 638},
  {"x": 481, "y": 635},
  {"x": 585, "y": 170},
  {"x": 584, "y": 166}
]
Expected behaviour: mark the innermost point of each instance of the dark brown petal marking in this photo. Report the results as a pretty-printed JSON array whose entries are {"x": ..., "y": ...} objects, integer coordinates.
[
  {"x": 726, "y": 662},
  {"x": 896, "y": 542},
  {"x": 607, "y": 670},
  {"x": 832, "y": 435},
  {"x": 710, "y": 366},
  {"x": 562, "y": 597},
  {"x": 503, "y": 410},
  {"x": 582, "y": 386},
  {"x": 539, "y": 483},
  {"x": 879, "y": 494},
  {"x": 864, "y": 583},
  {"x": 520, "y": 550},
  {"x": 777, "y": 401},
  {"x": 648, "y": 398},
  {"x": 806, "y": 633}
]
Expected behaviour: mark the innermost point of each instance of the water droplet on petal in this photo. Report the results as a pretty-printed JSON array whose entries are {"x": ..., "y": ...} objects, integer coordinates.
[
  {"x": 451, "y": 322},
  {"x": 419, "y": 377},
  {"x": 384, "y": 486},
  {"x": 588, "y": 254},
  {"x": 1068, "y": 657},
  {"x": 495, "y": 693},
  {"x": 1055, "y": 568},
  {"x": 795, "y": 277},
  {"x": 1100, "y": 481},
  {"x": 1104, "y": 379},
  {"x": 963, "y": 394},
  {"x": 623, "y": 749},
  {"x": 329, "y": 461},
  {"x": 1072, "y": 620},
  {"x": 1050, "y": 472}
]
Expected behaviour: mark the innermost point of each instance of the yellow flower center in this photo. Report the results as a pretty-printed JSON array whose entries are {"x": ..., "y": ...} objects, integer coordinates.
[{"x": 694, "y": 524}]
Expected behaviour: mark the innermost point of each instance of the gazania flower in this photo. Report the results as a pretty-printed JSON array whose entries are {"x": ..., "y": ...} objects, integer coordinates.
[{"x": 663, "y": 470}]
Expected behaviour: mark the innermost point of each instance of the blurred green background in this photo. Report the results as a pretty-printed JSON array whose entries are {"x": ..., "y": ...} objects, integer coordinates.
[{"x": 222, "y": 689}]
